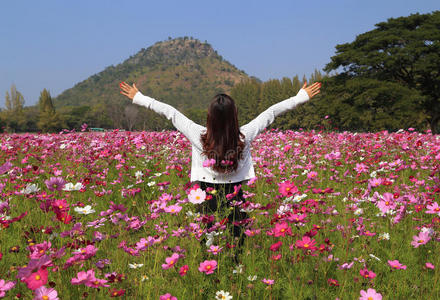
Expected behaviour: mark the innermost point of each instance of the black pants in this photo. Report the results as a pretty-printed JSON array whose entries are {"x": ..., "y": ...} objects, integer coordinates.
[{"x": 236, "y": 218}]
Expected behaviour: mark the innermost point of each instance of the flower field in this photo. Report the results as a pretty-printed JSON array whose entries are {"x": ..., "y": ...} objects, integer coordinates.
[{"x": 331, "y": 216}]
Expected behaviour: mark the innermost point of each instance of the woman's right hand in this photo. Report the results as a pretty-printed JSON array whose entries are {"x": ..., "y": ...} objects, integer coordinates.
[
  {"x": 128, "y": 90},
  {"x": 312, "y": 90}
]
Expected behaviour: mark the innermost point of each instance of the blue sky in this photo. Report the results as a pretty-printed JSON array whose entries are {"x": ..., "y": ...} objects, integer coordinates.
[{"x": 56, "y": 44}]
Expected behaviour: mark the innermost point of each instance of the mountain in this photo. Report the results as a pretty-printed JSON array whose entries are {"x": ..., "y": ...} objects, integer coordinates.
[{"x": 183, "y": 72}]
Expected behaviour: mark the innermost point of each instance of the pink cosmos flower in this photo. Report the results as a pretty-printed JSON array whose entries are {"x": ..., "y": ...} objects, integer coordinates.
[
  {"x": 420, "y": 239},
  {"x": 367, "y": 274},
  {"x": 346, "y": 266},
  {"x": 252, "y": 232},
  {"x": 297, "y": 218},
  {"x": 88, "y": 278},
  {"x": 197, "y": 196},
  {"x": 370, "y": 294},
  {"x": 429, "y": 266},
  {"x": 395, "y": 264},
  {"x": 268, "y": 281},
  {"x": 5, "y": 167},
  {"x": 55, "y": 183},
  {"x": 170, "y": 261},
  {"x": 208, "y": 163},
  {"x": 361, "y": 168},
  {"x": 5, "y": 286},
  {"x": 386, "y": 203},
  {"x": 433, "y": 209},
  {"x": 173, "y": 209},
  {"x": 312, "y": 175},
  {"x": 43, "y": 293},
  {"x": 183, "y": 270},
  {"x": 167, "y": 296},
  {"x": 208, "y": 266},
  {"x": 281, "y": 229},
  {"x": 37, "y": 279},
  {"x": 287, "y": 188},
  {"x": 375, "y": 182},
  {"x": 215, "y": 249}
]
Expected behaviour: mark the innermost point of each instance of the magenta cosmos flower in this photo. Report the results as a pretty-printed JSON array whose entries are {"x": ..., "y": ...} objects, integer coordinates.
[
  {"x": 208, "y": 266},
  {"x": 287, "y": 188},
  {"x": 268, "y": 281},
  {"x": 55, "y": 183},
  {"x": 183, "y": 270},
  {"x": 5, "y": 286},
  {"x": 370, "y": 294},
  {"x": 395, "y": 264},
  {"x": 429, "y": 266},
  {"x": 306, "y": 243},
  {"x": 367, "y": 274},
  {"x": 167, "y": 296},
  {"x": 281, "y": 229},
  {"x": 43, "y": 293},
  {"x": 37, "y": 279}
]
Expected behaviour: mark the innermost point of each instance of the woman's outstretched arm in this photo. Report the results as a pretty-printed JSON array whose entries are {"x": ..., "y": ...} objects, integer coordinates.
[
  {"x": 253, "y": 128},
  {"x": 190, "y": 129}
]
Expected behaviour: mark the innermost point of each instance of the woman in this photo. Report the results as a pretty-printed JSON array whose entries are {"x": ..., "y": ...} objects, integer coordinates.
[{"x": 221, "y": 154}]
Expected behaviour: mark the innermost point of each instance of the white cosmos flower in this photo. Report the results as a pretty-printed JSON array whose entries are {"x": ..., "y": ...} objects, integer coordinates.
[
  {"x": 73, "y": 187},
  {"x": 375, "y": 257},
  {"x": 252, "y": 278},
  {"x": 222, "y": 295},
  {"x": 30, "y": 188},
  {"x": 144, "y": 277},
  {"x": 138, "y": 175},
  {"x": 358, "y": 211},
  {"x": 283, "y": 209},
  {"x": 384, "y": 236},
  {"x": 84, "y": 210},
  {"x": 135, "y": 265},
  {"x": 238, "y": 269},
  {"x": 151, "y": 183}
]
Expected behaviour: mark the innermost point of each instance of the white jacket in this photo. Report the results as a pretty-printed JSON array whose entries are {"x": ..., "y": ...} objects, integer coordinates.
[{"x": 193, "y": 131}]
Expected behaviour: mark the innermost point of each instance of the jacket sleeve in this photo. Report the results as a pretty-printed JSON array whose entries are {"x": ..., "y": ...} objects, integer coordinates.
[
  {"x": 186, "y": 126},
  {"x": 257, "y": 125}
]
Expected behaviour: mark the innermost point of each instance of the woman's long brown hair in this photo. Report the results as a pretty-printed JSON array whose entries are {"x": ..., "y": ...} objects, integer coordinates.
[{"x": 222, "y": 140}]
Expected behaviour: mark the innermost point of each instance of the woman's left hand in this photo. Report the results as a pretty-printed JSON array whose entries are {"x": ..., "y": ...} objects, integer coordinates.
[
  {"x": 313, "y": 89},
  {"x": 128, "y": 90}
]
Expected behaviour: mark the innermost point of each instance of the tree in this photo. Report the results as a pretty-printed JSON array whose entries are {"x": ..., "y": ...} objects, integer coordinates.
[
  {"x": 130, "y": 113},
  {"x": 14, "y": 116},
  {"x": 404, "y": 50},
  {"x": 246, "y": 95},
  {"x": 45, "y": 102},
  {"x": 49, "y": 120}
]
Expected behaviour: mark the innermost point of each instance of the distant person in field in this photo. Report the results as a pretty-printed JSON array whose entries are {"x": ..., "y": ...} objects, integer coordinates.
[{"x": 221, "y": 151}]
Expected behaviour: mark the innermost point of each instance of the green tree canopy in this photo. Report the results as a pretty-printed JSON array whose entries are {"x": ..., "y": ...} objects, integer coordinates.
[{"x": 404, "y": 50}]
